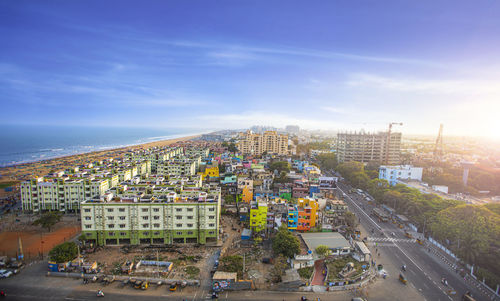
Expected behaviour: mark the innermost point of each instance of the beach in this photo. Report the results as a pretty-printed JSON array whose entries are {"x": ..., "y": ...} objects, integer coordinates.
[{"x": 27, "y": 171}]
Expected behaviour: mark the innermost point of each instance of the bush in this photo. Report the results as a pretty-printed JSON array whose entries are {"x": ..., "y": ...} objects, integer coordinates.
[
  {"x": 64, "y": 252},
  {"x": 306, "y": 272}
]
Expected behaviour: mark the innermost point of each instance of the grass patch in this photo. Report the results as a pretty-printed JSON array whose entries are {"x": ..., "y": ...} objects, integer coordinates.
[
  {"x": 306, "y": 272},
  {"x": 192, "y": 271},
  {"x": 336, "y": 265},
  {"x": 7, "y": 184}
]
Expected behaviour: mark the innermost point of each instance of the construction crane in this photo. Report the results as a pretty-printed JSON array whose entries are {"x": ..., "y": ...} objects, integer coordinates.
[
  {"x": 389, "y": 140},
  {"x": 438, "y": 148}
]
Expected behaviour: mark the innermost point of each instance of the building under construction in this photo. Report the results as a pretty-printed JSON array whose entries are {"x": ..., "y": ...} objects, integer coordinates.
[{"x": 381, "y": 147}]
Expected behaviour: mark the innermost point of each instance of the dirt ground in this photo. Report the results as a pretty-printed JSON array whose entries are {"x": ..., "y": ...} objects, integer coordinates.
[
  {"x": 35, "y": 242},
  {"x": 110, "y": 258}
]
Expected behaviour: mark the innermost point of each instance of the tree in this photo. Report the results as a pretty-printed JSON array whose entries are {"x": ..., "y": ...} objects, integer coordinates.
[
  {"x": 350, "y": 220},
  {"x": 48, "y": 219},
  {"x": 233, "y": 264},
  {"x": 327, "y": 161},
  {"x": 322, "y": 250},
  {"x": 281, "y": 166},
  {"x": 64, "y": 252},
  {"x": 285, "y": 243}
]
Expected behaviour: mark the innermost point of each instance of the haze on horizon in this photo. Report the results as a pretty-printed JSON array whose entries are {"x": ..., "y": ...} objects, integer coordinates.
[{"x": 323, "y": 65}]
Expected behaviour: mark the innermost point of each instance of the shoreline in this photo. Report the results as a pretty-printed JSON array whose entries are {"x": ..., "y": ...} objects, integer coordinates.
[{"x": 19, "y": 172}]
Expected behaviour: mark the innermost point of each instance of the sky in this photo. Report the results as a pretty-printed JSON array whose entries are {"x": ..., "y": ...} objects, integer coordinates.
[{"x": 332, "y": 65}]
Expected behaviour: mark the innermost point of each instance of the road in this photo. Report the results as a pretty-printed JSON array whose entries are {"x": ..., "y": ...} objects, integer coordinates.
[{"x": 424, "y": 271}]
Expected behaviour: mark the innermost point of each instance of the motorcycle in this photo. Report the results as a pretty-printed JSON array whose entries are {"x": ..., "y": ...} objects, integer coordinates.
[
  {"x": 403, "y": 267},
  {"x": 444, "y": 281},
  {"x": 2, "y": 294},
  {"x": 100, "y": 293}
]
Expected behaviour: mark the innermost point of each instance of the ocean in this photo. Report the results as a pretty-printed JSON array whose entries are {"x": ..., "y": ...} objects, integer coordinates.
[{"x": 23, "y": 144}]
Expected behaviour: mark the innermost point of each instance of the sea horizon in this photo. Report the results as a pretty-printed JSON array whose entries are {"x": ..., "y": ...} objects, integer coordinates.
[{"x": 33, "y": 143}]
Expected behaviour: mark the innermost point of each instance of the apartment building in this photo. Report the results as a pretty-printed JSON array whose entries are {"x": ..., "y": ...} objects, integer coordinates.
[
  {"x": 155, "y": 155},
  {"x": 62, "y": 194},
  {"x": 256, "y": 144},
  {"x": 181, "y": 167},
  {"x": 187, "y": 217},
  {"x": 365, "y": 147},
  {"x": 303, "y": 216},
  {"x": 258, "y": 216}
]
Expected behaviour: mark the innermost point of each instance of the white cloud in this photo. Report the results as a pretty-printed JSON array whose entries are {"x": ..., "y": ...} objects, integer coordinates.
[{"x": 441, "y": 86}]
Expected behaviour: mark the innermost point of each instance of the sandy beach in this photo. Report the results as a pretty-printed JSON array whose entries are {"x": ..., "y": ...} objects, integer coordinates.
[{"x": 26, "y": 171}]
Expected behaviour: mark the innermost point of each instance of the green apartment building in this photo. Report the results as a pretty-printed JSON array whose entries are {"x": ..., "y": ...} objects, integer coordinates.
[{"x": 191, "y": 216}]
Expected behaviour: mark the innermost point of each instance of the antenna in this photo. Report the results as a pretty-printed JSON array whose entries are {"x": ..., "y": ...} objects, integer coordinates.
[{"x": 438, "y": 148}]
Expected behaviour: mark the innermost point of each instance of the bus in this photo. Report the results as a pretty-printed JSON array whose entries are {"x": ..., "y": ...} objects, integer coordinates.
[{"x": 382, "y": 216}]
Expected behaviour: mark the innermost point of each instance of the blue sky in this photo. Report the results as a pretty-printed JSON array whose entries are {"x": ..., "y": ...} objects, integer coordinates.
[{"x": 232, "y": 64}]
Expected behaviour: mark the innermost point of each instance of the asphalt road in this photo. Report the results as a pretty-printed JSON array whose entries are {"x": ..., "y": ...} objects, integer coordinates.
[{"x": 424, "y": 271}]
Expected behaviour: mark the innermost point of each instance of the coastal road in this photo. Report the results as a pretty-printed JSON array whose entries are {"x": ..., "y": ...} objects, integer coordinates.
[{"x": 424, "y": 271}]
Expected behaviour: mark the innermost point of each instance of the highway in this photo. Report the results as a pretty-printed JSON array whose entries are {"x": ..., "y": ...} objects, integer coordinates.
[{"x": 424, "y": 270}]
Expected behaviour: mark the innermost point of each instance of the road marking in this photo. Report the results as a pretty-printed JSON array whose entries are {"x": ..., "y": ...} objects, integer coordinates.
[{"x": 359, "y": 208}]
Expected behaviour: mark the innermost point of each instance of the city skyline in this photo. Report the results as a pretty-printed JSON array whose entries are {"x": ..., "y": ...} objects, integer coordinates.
[{"x": 332, "y": 66}]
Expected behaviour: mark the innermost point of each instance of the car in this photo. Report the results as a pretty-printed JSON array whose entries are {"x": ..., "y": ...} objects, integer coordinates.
[
  {"x": 5, "y": 274},
  {"x": 358, "y": 299},
  {"x": 173, "y": 287}
]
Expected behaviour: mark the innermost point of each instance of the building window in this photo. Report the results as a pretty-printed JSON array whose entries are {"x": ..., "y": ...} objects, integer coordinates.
[
  {"x": 145, "y": 225},
  {"x": 111, "y": 218},
  {"x": 179, "y": 233},
  {"x": 178, "y": 217},
  {"x": 121, "y": 209},
  {"x": 122, "y": 226},
  {"x": 211, "y": 217},
  {"x": 211, "y": 232},
  {"x": 110, "y": 210},
  {"x": 178, "y": 225},
  {"x": 122, "y": 218},
  {"x": 145, "y": 233},
  {"x": 86, "y": 210},
  {"x": 190, "y": 209},
  {"x": 156, "y": 217},
  {"x": 178, "y": 209},
  {"x": 190, "y": 217},
  {"x": 123, "y": 233},
  {"x": 88, "y": 226},
  {"x": 156, "y": 225},
  {"x": 111, "y": 233},
  {"x": 87, "y": 218},
  {"x": 211, "y": 209},
  {"x": 144, "y": 209},
  {"x": 156, "y": 209},
  {"x": 190, "y": 232},
  {"x": 111, "y": 226},
  {"x": 156, "y": 233},
  {"x": 190, "y": 225},
  {"x": 145, "y": 218},
  {"x": 211, "y": 225}
]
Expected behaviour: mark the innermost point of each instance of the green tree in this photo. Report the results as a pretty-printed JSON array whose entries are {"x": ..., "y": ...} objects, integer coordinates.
[
  {"x": 281, "y": 166},
  {"x": 322, "y": 250},
  {"x": 327, "y": 161},
  {"x": 233, "y": 263},
  {"x": 285, "y": 243},
  {"x": 64, "y": 252},
  {"x": 48, "y": 219}
]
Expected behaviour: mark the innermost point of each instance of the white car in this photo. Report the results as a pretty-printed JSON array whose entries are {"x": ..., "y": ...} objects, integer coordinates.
[{"x": 5, "y": 274}]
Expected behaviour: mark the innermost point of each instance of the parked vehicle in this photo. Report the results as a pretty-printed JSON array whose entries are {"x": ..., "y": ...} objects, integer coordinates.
[
  {"x": 5, "y": 274},
  {"x": 173, "y": 287}
]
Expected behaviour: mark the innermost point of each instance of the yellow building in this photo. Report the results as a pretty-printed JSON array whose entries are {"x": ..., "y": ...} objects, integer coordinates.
[
  {"x": 256, "y": 144},
  {"x": 246, "y": 194},
  {"x": 310, "y": 206},
  {"x": 258, "y": 216},
  {"x": 210, "y": 171}
]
